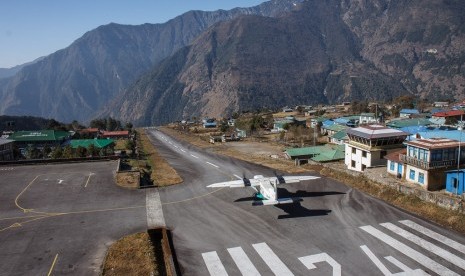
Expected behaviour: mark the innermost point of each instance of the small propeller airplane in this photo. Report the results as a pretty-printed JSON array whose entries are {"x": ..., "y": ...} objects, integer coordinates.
[{"x": 266, "y": 187}]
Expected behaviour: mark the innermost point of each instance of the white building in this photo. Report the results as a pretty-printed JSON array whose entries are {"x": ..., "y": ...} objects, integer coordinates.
[{"x": 367, "y": 146}]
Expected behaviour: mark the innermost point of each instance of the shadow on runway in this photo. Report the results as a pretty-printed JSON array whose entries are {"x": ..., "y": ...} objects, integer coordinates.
[
  {"x": 296, "y": 210},
  {"x": 283, "y": 192}
]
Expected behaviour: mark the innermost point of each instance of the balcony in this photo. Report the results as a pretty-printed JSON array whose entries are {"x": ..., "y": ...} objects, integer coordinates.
[{"x": 427, "y": 165}]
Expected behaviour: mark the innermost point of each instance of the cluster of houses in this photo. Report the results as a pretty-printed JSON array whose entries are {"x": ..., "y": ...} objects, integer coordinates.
[
  {"x": 422, "y": 150},
  {"x": 25, "y": 140}
]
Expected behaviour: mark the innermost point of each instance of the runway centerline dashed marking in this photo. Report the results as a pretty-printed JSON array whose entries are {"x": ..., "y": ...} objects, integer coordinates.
[
  {"x": 194, "y": 156},
  {"x": 211, "y": 164}
]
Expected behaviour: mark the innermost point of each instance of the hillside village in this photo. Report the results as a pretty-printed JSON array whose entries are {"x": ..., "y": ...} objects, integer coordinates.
[{"x": 417, "y": 146}]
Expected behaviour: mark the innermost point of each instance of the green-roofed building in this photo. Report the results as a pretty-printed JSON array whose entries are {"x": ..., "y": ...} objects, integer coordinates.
[
  {"x": 39, "y": 138},
  {"x": 326, "y": 153},
  {"x": 103, "y": 146},
  {"x": 398, "y": 124},
  {"x": 339, "y": 137}
]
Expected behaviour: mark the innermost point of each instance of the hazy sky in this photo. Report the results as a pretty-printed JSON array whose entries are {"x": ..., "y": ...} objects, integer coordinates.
[{"x": 33, "y": 28}]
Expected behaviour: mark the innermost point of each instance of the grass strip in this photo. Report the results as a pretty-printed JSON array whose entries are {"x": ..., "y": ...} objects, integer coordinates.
[
  {"x": 161, "y": 174},
  {"x": 132, "y": 255},
  {"x": 447, "y": 218}
]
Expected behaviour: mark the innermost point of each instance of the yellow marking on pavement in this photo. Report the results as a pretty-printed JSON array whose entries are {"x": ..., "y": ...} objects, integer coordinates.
[
  {"x": 200, "y": 196},
  {"x": 87, "y": 182},
  {"x": 53, "y": 265},
  {"x": 192, "y": 198},
  {"x": 17, "y": 224},
  {"x": 24, "y": 217},
  {"x": 97, "y": 210},
  {"x": 17, "y": 197}
]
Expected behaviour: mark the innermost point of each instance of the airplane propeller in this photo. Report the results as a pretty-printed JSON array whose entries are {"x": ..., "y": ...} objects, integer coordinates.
[
  {"x": 246, "y": 180},
  {"x": 280, "y": 178}
]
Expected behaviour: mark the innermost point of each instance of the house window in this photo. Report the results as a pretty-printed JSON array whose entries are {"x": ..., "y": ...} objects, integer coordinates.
[
  {"x": 354, "y": 150},
  {"x": 364, "y": 167},
  {"x": 391, "y": 166},
  {"x": 364, "y": 153},
  {"x": 353, "y": 164},
  {"x": 454, "y": 183},
  {"x": 421, "y": 178},
  {"x": 412, "y": 174}
]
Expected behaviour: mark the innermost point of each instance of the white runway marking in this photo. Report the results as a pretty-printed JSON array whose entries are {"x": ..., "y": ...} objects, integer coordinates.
[
  {"x": 409, "y": 252},
  {"x": 268, "y": 256},
  {"x": 375, "y": 260},
  {"x": 309, "y": 262},
  {"x": 440, "y": 238},
  {"x": 155, "y": 216},
  {"x": 243, "y": 262},
  {"x": 426, "y": 245},
  {"x": 238, "y": 177},
  {"x": 214, "y": 265},
  {"x": 211, "y": 164},
  {"x": 183, "y": 150},
  {"x": 194, "y": 156}
]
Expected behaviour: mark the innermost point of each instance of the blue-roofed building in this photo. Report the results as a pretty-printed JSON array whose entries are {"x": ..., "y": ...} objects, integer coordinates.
[
  {"x": 442, "y": 133},
  {"x": 455, "y": 180},
  {"x": 407, "y": 113},
  {"x": 209, "y": 123}
]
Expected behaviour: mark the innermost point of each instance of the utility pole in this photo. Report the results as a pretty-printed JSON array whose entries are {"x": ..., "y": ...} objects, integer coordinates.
[{"x": 460, "y": 128}]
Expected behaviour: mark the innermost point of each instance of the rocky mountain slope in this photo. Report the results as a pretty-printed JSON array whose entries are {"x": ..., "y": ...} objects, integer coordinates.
[
  {"x": 326, "y": 52},
  {"x": 74, "y": 83}
]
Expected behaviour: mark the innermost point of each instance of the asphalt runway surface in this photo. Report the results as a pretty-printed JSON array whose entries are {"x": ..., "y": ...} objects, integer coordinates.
[
  {"x": 60, "y": 219},
  {"x": 335, "y": 230}
]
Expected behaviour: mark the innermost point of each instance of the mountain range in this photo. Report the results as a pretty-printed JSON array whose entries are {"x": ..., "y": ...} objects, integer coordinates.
[{"x": 276, "y": 54}]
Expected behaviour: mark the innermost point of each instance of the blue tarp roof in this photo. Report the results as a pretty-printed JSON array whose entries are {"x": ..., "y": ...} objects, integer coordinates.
[
  {"x": 450, "y": 134},
  {"x": 409, "y": 111}
]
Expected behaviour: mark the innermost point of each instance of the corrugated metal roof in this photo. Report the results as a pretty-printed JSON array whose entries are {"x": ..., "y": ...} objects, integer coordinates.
[
  {"x": 334, "y": 127},
  {"x": 340, "y": 135},
  {"x": 5, "y": 141},
  {"x": 450, "y": 134},
  {"x": 409, "y": 111},
  {"x": 395, "y": 156},
  {"x": 409, "y": 122},
  {"x": 98, "y": 143},
  {"x": 39, "y": 135},
  {"x": 320, "y": 153},
  {"x": 450, "y": 113},
  {"x": 434, "y": 143},
  {"x": 375, "y": 131}
]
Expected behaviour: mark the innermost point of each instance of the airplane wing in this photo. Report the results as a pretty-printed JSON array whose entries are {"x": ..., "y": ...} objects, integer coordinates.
[
  {"x": 235, "y": 183},
  {"x": 295, "y": 179}
]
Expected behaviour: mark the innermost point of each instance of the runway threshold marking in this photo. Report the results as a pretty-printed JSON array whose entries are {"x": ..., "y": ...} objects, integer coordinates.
[
  {"x": 213, "y": 263},
  {"x": 53, "y": 265},
  {"x": 426, "y": 245},
  {"x": 270, "y": 258},
  {"x": 430, "y": 233},
  {"x": 408, "y": 251},
  {"x": 243, "y": 262}
]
